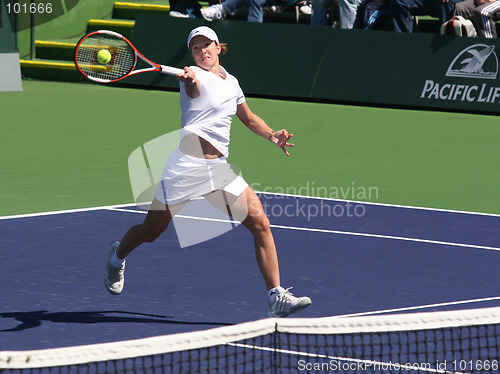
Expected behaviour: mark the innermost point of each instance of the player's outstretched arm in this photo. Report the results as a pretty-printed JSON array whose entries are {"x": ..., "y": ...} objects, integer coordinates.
[{"x": 260, "y": 127}]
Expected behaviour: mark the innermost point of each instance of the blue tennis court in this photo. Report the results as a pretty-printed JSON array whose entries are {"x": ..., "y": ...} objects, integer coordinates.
[{"x": 351, "y": 258}]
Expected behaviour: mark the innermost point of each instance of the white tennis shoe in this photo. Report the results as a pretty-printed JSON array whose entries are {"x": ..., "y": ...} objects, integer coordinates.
[
  {"x": 114, "y": 277},
  {"x": 285, "y": 304},
  {"x": 213, "y": 12}
]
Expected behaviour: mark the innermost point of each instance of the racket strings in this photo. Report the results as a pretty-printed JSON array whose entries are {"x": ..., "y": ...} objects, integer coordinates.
[{"x": 122, "y": 62}]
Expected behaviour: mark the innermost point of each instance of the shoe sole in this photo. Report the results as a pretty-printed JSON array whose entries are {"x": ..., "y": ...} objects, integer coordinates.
[{"x": 270, "y": 315}]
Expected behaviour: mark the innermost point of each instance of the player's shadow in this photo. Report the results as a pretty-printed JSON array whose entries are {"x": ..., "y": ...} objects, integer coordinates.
[{"x": 29, "y": 320}]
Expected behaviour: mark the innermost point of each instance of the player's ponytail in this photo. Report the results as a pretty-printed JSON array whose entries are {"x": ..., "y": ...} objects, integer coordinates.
[{"x": 223, "y": 48}]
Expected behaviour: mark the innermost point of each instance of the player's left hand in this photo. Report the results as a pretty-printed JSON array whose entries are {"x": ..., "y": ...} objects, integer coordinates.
[{"x": 281, "y": 139}]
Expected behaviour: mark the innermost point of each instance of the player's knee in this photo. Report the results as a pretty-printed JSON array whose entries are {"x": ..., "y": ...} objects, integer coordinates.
[{"x": 261, "y": 224}]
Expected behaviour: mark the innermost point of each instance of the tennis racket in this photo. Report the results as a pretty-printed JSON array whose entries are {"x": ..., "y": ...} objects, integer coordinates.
[{"x": 122, "y": 58}]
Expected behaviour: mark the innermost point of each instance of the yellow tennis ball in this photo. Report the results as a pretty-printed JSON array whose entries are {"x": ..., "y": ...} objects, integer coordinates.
[{"x": 103, "y": 56}]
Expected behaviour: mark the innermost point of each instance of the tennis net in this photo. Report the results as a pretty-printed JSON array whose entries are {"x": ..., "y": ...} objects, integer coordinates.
[{"x": 435, "y": 342}]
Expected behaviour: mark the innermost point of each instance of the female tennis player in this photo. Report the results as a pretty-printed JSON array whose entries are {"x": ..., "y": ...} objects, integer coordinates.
[{"x": 210, "y": 97}]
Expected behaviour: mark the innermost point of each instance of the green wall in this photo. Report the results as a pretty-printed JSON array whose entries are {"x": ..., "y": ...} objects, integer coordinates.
[
  {"x": 321, "y": 63},
  {"x": 8, "y": 41}
]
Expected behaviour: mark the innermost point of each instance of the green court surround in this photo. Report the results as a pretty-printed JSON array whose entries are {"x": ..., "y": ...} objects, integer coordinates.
[{"x": 66, "y": 145}]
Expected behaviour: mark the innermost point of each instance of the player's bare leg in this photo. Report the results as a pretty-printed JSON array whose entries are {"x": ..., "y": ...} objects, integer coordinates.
[
  {"x": 248, "y": 209},
  {"x": 265, "y": 249},
  {"x": 157, "y": 220}
]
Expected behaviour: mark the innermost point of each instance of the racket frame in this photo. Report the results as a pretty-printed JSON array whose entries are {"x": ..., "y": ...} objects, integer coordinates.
[{"x": 154, "y": 66}]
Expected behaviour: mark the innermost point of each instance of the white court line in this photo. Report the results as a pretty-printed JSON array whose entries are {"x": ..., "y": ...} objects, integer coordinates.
[
  {"x": 28, "y": 215},
  {"x": 68, "y": 211},
  {"x": 123, "y": 208},
  {"x": 359, "y": 363},
  {"x": 381, "y": 204},
  {"x": 437, "y": 242},
  {"x": 365, "y": 235},
  {"x": 417, "y": 307}
]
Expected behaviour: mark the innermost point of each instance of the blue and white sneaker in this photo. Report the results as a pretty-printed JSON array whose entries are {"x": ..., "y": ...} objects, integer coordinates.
[
  {"x": 114, "y": 277},
  {"x": 285, "y": 304}
]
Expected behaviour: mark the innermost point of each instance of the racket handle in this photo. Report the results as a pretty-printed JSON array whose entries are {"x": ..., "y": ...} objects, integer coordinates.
[{"x": 170, "y": 70}]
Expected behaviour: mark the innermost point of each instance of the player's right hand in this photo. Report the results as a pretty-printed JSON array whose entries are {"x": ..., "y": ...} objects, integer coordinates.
[{"x": 188, "y": 77}]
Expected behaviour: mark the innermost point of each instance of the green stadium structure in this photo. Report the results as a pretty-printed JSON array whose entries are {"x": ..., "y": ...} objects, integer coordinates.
[{"x": 329, "y": 65}]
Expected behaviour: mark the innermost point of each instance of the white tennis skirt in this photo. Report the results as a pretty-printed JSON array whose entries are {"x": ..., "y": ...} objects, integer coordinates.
[{"x": 186, "y": 177}]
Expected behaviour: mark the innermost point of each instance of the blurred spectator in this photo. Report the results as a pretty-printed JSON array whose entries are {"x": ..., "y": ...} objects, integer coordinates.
[
  {"x": 255, "y": 11},
  {"x": 372, "y": 13},
  {"x": 347, "y": 12},
  {"x": 482, "y": 13},
  {"x": 403, "y": 11},
  {"x": 185, "y": 9}
]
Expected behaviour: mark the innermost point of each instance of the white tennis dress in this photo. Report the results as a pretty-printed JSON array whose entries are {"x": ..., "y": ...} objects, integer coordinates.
[{"x": 209, "y": 116}]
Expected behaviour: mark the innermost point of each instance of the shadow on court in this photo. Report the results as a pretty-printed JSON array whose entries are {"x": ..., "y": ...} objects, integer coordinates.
[
  {"x": 388, "y": 259},
  {"x": 29, "y": 320}
]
